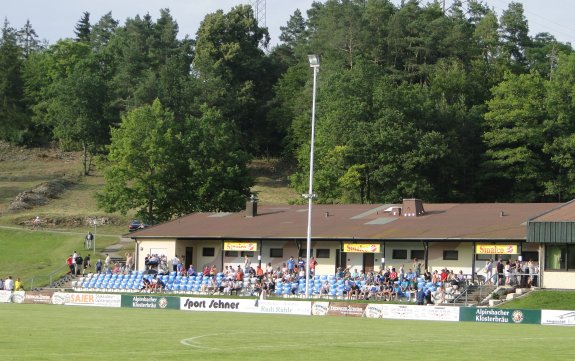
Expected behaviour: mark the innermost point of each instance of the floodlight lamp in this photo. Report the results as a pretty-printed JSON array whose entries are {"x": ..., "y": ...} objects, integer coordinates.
[{"x": 313, "y": 60}]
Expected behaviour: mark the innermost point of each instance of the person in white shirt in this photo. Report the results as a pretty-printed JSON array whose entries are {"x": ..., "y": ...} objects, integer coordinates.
[{"x": 9, "y": 284}]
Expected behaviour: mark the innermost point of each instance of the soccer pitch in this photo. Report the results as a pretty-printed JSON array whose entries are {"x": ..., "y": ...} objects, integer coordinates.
[{"x": 49, "y": 332}]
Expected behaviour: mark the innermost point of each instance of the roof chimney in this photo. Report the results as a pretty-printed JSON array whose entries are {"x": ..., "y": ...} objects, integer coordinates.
[
  {"x": 252, "y": 206},
  {"x": 412, "y": 208}
]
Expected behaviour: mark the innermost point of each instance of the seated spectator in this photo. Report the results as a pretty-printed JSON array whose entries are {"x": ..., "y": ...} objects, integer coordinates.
[
  {"x": 145, "y": 284},
  {"x": 191, "y": 270},
  {"x": 324, "y": 290},
  {"x": 259, "y": 273}
]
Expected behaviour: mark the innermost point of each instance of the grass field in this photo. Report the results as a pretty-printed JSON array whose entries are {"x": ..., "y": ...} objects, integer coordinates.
[{"x": 47, "y": 332}]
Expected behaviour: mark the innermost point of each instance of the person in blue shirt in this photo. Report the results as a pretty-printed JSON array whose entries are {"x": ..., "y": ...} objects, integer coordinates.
[{"x": 291, "y": 265}]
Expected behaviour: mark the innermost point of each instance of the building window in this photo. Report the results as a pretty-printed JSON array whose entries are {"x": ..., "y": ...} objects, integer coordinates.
[
  {"x": 322, "y": 253},
  {"x": 231, "y": 254},
  {"x": 417, "y": 253},
  {"x": 303, "y": 253},
  {"x": 208, "y": 251},
  {"x": 276, "y": 252},
  {"x": 530, "y": 256},
  {"x": 450, "y": 255},
  {"x": 399, "y": 254},
  {"x": 560, "y": 257},
  {"x": 247, "y": 253}
]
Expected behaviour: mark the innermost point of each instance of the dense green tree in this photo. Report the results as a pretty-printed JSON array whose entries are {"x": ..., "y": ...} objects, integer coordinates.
[
  {"x": 516, "y": 166},
  {"x": 238, "y": 77},
  {"x": 13, "y": 112},
  {"x": 28, "y": 39},
  {"x": 83, "y": 28},
  {"x": 77, "y": 111},
  {"x": 102, "y": 31},
  {"x": 162, "y": 172}
]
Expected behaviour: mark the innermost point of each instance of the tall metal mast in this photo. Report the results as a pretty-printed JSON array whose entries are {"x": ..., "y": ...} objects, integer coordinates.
[{"x": 259, "y": 7}]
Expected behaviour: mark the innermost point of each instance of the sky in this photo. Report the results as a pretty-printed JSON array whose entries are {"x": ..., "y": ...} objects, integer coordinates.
[{"x": 56, "y": 19}]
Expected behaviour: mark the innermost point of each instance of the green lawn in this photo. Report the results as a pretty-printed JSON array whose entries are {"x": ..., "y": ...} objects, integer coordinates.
[
  {"x": 544, "y": 299},
  {"x": 27, "y": 254},
  {"x": 48, "y": 332}
]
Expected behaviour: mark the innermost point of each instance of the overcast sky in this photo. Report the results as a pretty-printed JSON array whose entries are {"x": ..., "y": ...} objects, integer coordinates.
[{"x": 56, "y": 19}]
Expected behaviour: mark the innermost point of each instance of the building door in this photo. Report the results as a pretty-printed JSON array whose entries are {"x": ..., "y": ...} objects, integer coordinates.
[
  {"x": 189, "y": 257},
  {"x": 340, "y": 259},
  {"x": 368, "y": 259}
]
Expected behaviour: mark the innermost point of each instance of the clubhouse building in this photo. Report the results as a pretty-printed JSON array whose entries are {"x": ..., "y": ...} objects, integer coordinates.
[{"x": 373, "y": 237}]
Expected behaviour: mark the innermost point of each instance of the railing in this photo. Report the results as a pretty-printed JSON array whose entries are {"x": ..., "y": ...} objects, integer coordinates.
[{"x": 45, "y": 280}]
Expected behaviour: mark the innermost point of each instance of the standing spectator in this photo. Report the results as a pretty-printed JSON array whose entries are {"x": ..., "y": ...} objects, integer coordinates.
[
  {"x": 86, "y": 263},
  {"x": 70, "y": 264},
  {"x": 416, "y": 267},
  {"x": 488, "y": 271},
  {"x": 269, "y": 269},
  {"x": 99, "y": 266},
  {"x": 176, "y": 265},
  {"x": 107, "y": 262},
  {"x": 290, "y": 264},
  {"x": 88, "y": 240},
  {"x": 9, "y": 284},
  {"x": 78, "y": 262},
  {"x": 300, "y": 263},
  {"x": 312, "y": 264},
  {"x": 500, "y": 267},
  {"x": 1, "y": 284},
  {"x": 247, "y": 262},
  {"x": 18, "y": 285}
]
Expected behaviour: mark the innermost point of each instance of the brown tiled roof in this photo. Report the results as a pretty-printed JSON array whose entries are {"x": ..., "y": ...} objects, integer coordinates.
[
  {"x": 360, "y": 222},
  {"x": 562, "y": 213}
]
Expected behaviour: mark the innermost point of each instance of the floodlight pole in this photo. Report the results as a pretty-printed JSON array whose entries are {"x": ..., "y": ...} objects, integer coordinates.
[
  {"x": 94, "y": 238},
  {"x": 313, "y": 63}
]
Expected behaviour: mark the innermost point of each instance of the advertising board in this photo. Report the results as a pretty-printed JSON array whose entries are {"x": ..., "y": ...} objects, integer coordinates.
[
  {"x": 219, "y": 305},
  {"x": 499, "y": 315},
  {"x": 414, "y": 312},
  {"x": 319, "y": 308},
  {"x": 43, "y": 297},
  {"x": 5, "y": 296},
  {"x": 346, "y": 309},
  {"x": 558, "y": 318},
  {"x": 285, "y": 307},
  {"x": 86, "y": 299},
  {"x": 150, "y": 301}
]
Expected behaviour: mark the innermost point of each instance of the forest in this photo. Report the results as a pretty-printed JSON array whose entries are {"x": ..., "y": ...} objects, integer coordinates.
[{"x": 413, "y": 100}]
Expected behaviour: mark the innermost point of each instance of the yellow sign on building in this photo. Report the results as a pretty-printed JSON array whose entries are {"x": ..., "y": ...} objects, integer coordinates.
[
  {"x": 361, "y": 247},
  {"x": 240, "y": 246},
  {"x": 495, "y": 249}
]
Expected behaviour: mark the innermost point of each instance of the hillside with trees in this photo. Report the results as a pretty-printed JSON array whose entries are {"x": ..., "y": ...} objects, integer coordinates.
[{"x": 460, "y": 105}]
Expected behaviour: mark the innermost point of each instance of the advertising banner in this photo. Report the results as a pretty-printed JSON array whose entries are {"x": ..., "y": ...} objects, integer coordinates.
[
  {"x": 346, "y": 309},
  {"x": 151, "y": 301},
  {"x": 499, "y": 315},
  {"x": 496, "y": 249},
  {"x": 374, "y": 310},
  {"x": 361, "y": 248},
  {"x": 240, "y": 246},
  {"x": 414, "y": 312},
  {"x": 219, "y": 305},
  {"x": 87, "y": 299},
  {"x": 44, "y": 297},
  {"x": 286, "y": 307},
  {"x": 18, "y": 296},
  {"x": 319, "y": 308},
  {"x": 5, "y": 296},
  {"x": 558, "y": 318}
]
